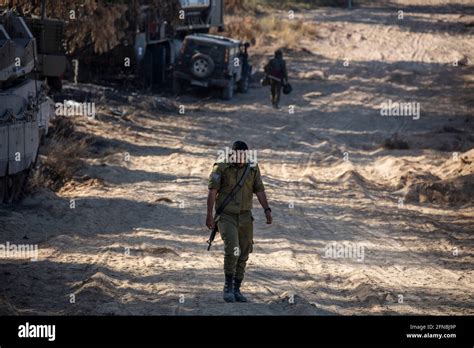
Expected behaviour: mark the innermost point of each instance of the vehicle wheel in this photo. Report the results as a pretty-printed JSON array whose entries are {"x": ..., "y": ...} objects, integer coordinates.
[
  {"x": 202, "y": 65},
  {"x": 228, "y": 92},
  {"x": 22, "y": 181},
  {"x": 14, "y": 187},
  {"x": 244, "y": 84}
]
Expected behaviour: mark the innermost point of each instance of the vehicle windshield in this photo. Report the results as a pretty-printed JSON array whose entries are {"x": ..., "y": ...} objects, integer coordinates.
[{"x": 195, "y": 3}]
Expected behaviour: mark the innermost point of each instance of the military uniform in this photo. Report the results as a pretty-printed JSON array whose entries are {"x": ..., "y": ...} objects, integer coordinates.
[
  {"x": 236, "y": 221},
  {"x": 277, "y": 72}
]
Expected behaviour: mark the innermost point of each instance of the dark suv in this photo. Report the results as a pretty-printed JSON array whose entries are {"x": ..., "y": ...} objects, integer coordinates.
[{"x": 210, "y": 60}]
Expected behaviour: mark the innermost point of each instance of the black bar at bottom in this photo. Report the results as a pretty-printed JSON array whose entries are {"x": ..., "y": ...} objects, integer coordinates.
[{"x": 414, "y": 330}]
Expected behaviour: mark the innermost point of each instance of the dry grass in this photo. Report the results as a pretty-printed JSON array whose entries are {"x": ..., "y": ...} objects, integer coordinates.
[
  {"x": 233, "y": 6},
  {"x": 269, "y": 30},
  {"x": 256, "y": 5},
  {"x": 61, "y": 156}
]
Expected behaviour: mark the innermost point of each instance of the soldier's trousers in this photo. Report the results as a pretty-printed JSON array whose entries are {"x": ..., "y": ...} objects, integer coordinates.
[
  {"x": 276, "y": 91},
  {"x": 237, "y": 233}
]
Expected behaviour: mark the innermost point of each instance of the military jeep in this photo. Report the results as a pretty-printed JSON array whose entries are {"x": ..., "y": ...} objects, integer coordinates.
[{"x": 212, "y": 61}]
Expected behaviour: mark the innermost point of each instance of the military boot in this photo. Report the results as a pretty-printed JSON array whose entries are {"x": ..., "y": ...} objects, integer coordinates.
[
  {"x": 229, "y": 289},
  {"x": 238, "y": 295}
]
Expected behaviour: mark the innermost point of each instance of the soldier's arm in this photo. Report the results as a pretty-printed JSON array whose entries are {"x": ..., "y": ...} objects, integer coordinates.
[
  {"x": 285, "y": 71},
  {"x": 259, "y": 190},
  {"x": 211, "y": 199},
  {"x": 262, "y": 198},
  {"x": 214, "y": 186}
]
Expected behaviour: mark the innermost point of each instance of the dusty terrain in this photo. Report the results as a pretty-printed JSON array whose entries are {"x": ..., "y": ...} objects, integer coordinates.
[{"x": 135, "y": 242}]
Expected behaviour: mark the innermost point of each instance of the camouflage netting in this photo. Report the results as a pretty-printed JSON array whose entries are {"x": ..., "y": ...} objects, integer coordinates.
[
  {"x": 98, "y": 33},
  {"x": 97, "y": 23}
]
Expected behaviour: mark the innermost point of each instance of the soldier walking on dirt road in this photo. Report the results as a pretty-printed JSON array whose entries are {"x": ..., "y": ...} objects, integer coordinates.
[
  {"x": 278, "y": 75},
  {"x": 238, "y": 178}
]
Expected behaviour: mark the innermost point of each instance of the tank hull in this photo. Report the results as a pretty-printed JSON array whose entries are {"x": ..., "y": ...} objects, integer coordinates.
[{"x": 25, "y": 109}]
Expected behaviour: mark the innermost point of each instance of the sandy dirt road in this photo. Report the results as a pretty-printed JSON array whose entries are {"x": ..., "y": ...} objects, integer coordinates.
[{"x": 135, "y": 242}]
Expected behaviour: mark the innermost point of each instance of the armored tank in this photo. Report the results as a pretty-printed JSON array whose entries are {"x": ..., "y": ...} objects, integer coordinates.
[{"x": 25, "y": 109}]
